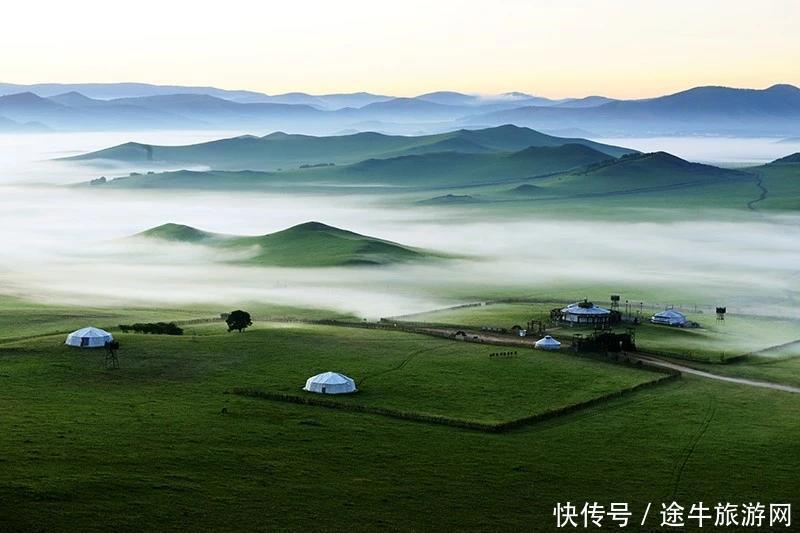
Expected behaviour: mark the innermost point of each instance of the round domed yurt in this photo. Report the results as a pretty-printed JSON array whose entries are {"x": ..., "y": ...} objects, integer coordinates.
[
  {"x": 89, "y": 338},
  {"x": 330, "y": 383},
  {"x": 585, "y": 313},
  {"x": 547, "y": 343},
  {"x": 670, "y": 317}
]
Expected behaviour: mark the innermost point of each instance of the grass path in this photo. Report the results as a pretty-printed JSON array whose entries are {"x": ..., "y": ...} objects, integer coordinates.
[{"x": 693, "y": 442}]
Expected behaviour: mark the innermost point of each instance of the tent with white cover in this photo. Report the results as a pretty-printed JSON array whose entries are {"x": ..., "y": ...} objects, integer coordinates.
[
  {"x": 670, "y": 317},
  {"x": 89, "y": 338},
  {"x": 547, "y": 343},
  {"x": 585, "y": 313},
  {"x": 330, "y": 383}
]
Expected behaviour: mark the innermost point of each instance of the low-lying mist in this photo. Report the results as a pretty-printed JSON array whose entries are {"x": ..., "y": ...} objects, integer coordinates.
[
  {"x": 70, "y": 245},
  {"x": 29, "y": 157},
  {"x": 725, "y": 151}
]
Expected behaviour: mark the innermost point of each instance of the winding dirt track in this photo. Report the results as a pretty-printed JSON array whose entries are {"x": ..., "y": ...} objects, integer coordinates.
[{"x": 709, "y": 375}]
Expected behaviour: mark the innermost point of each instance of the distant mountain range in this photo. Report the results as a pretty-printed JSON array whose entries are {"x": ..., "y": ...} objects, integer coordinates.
[
  {"x": 111, "y": 91},
  {"x": 719, "y": 110},
  {"x": 281, "y": 150},
  {"x": 133, "y": 106},
  {"x": 312, "y": 244}
]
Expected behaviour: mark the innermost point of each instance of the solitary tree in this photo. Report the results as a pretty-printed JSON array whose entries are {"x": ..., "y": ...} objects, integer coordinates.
[{"x": 238, "y": 320}]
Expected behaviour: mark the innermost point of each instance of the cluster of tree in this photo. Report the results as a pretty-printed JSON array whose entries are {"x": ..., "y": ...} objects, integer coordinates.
[
  {"x": 317, "y": 165},
  {"x": 98, "y": 181},
  {"x": 156, "y": 328},
  {"x": 238, "y": 320}
]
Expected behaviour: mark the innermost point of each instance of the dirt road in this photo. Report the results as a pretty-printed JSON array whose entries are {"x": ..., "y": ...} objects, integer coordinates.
[{"x": 741, "y": 381}]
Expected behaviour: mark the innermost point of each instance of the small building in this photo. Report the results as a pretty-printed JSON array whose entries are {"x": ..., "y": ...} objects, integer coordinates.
[
  {"x": 604, "y": 341},
  {"x": 585, "y": 313},
  {"x": 330, "y": 383},
  {"x": 90, "y": 337},
  {"x": 669, "y": 317},
  {"x": 519, "y": 331},
  {"x": 547, "y": 343}
]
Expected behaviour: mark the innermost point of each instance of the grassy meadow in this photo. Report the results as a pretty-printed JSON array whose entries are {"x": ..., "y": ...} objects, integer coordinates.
[
  {"x": 435, "y": 377},
  {"x": 147, "y": 446},
  {"x": 21, "y": 318}
]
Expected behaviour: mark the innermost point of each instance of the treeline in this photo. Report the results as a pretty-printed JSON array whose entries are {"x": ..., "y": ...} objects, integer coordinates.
[{"x": 155, "y": 328}]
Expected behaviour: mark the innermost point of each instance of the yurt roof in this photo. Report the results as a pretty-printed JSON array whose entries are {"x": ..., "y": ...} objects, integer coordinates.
[
  {"x": 547, "y": 339},
  {"x": 331, "y": 378},
  {"x": 670, "y": 313},
  {"x": 90, "y": 332},
  {"x": 577, "y": 309}
]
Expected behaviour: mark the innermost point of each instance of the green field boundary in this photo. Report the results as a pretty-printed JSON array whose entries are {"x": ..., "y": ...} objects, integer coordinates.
[
  {"x": 185, "y": 322},
  {"x": 487, "y": 427},
  {"x": 713, "y": 358}
]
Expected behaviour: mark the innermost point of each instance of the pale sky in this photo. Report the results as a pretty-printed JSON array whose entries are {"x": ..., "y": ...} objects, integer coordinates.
[{"x": 558, "y": 48}]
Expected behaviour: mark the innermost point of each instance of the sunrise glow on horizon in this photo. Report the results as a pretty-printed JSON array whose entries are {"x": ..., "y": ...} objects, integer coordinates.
[{"x": 622, "y": 49}]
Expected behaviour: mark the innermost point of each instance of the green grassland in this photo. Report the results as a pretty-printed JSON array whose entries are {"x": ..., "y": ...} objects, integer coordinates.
[
  {"x": 437, "y": 377},
  {"x": 502, "y": 314},
  {"x": 781, "y": 182},
  {"x": 148, "y": 447},
  {"x": 20, "y": 318},
  {"x": 311, "y": 244}
]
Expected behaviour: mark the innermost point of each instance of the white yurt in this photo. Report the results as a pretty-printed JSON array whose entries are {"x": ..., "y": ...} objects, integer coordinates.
[
  {"x": 670, "y": 317},
  {"x": 547, "y": 343},
  {"x": 330, "y": 383},
  {"x": 585, "y": 312},
  {"x": 89, "y": 338}
]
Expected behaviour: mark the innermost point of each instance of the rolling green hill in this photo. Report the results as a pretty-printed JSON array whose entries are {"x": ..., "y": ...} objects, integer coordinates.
[
  {"x": 281, "y": 150},
  {"x": 455, "y": 168},
  {"x": 650, "y": 172},
  {"x": 780, "y": 183},
  {"x": 311, "y": 244},
  {"x": 181, "y": 233},
  {"x": 789, "y": 159},
  {"x": 439, "y": 169}
]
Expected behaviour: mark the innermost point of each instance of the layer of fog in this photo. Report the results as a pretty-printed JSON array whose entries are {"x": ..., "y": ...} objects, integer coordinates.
[
  {"x": 29, "y": 157},
  {"x": 726, "y": 151},
  {"x": 68, "y": 245}
]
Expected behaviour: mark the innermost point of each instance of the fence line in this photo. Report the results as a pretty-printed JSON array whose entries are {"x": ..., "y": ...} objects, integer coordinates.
[{"x": 499, "y": 427}]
